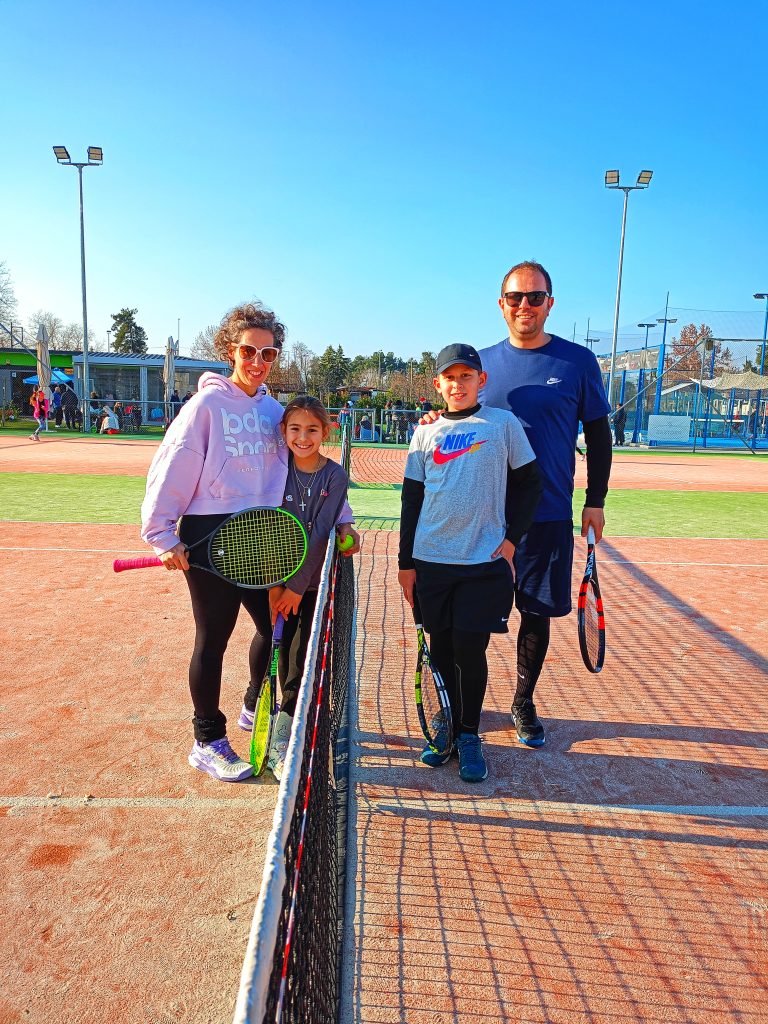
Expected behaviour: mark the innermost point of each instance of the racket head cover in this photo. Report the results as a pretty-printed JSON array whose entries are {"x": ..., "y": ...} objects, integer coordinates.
[{"x": 259, "y": 547}]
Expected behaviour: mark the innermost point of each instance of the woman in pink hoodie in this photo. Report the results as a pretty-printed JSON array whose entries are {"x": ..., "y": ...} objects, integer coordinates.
[{"x": 223, "y": 453}]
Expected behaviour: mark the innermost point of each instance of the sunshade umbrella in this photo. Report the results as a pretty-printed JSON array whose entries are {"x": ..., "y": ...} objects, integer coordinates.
[
  {"x": 43, "y": 361},
  {"x": 169, "y": 368},
  {"x": 57, "y": 377}
]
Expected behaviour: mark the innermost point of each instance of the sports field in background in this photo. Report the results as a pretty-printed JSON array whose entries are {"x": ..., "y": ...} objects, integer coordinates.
[{"x": 619, "y": 874}]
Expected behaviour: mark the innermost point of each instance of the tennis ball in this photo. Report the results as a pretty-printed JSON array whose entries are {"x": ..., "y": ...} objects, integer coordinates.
[{"x": 346, "y": 544}]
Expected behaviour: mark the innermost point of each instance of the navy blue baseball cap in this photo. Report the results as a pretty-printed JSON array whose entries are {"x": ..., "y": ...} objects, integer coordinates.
[{"x": 452, "y": 354}]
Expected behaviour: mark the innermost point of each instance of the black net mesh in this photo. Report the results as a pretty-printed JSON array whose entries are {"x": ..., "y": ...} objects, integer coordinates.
[
  {"x": 312, "y": 967},
  {"x": 311, "y": 992}
]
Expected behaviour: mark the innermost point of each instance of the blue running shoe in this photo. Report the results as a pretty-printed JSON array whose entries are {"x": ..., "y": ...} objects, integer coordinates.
[
  {"x": 428, "y": 755},
  {"x": 472, "y": 766}
]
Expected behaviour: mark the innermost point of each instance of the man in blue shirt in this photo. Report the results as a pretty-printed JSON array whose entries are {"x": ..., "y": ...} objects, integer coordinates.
[{"x": 549, "y": 384}]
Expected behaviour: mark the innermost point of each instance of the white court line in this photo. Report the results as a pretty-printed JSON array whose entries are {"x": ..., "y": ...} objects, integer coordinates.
[
  {"x": 185, "y": 803},
  {"x": 545, "y": 807},
  {"x": 106, "y": 551}
]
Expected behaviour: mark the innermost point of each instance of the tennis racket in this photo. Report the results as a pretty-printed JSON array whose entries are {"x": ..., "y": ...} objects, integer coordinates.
[
  {"x": 589, "y": 614},
  {"x": 432, "y": 701},
  {"x": 266, "y": 705},
  {"x": 257, "y": 548}
]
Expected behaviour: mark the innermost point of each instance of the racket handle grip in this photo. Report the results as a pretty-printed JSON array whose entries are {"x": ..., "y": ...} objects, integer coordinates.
[
  {"x": 145, "y": 562},
  {"x": 591, "y": 535}
]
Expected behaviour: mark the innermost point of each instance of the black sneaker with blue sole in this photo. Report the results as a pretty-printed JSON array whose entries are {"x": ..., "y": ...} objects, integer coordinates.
[{"x": 529, "y": 729}]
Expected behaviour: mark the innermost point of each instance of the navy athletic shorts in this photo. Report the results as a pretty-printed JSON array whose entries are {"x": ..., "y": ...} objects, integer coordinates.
[
  {"x": 475, "y": 598},
  {"x": 543, "y": 568}
]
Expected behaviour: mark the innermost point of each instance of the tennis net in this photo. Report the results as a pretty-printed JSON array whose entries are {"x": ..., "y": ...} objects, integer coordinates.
[{"x": 292, "y": 966}]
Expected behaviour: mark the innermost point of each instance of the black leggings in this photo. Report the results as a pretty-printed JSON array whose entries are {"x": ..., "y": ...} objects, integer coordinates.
[
  {"x": 215, "y": 605},
  {"x": 293, "y": 653},
  {"x": 532, "y": 646},
  {"x": 459, "y": 657}
]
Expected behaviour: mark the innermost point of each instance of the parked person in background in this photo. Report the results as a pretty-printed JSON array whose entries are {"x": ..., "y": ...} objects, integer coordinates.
[
  {"x": 619, "y": 422},
  {"x": 109, "y": 422},
  {"x": 58, "y": 412},
  {"x": 118, "y": 411},
  {"x": 69, "y": 405},
  {"x": 186, "y": 398},
  {"x": 175, "y": 404},
  {"x": 95, "y": 409},
  {"x": 39, "y": 404}
]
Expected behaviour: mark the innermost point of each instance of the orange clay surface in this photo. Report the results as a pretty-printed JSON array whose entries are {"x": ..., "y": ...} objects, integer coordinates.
[
  {"x": 652, "y": 471},
  {"x": 619, "y": 874}
]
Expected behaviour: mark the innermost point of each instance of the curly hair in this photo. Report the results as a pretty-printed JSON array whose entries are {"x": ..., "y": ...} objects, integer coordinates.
[
  {"x": 242, "y": 318},
  {"x": 528, "y": 265}
]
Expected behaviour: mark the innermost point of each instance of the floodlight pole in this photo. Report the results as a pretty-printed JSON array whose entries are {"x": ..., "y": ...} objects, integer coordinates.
[
  {"x": 662, "y": 356},
  {"x": 68, "y": 162},
  {"x": 626, "y": 189},
  {"x": 760, "y": 295}
]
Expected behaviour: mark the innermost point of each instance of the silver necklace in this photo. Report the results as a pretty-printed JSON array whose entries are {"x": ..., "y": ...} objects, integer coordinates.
[{"x": 304, "y": 492}]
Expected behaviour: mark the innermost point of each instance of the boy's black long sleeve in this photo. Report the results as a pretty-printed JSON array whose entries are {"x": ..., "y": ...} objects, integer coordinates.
[
  {"x": 597, "y": 435},
  {"x": 411, "y": 499},
  {"x": 524, "y": 487}
]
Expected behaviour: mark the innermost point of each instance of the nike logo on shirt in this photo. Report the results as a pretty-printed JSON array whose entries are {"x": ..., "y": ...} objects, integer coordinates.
[
  {"x": 554, "y": 380},
  {"x": 441, "y": 457}
]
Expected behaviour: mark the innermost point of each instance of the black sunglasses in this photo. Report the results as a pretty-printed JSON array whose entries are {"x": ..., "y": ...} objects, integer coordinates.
[
  {"x": 534, "y": 298},
  {"x": 269, "y": 353}
]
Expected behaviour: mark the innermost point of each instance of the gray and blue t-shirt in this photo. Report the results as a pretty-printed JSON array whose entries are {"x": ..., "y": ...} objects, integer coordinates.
[{"x": 463, "y": 466}]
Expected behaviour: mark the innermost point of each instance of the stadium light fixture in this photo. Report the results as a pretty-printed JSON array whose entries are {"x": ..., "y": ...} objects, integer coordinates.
[
  {"x": 95, "y": 157},
  {"x": 612, "y": 182}
]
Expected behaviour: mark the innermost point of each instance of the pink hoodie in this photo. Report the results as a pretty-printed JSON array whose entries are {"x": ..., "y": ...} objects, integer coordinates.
[{"x": 223, "y": 453}]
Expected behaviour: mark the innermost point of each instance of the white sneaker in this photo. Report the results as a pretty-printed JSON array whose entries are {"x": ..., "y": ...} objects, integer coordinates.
[
  {"x": 220, "y": 761},
  {"x": 279, "y": 745}
]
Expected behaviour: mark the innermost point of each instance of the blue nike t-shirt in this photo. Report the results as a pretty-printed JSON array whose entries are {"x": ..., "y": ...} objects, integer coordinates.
[{"x": 549, "y": 389}]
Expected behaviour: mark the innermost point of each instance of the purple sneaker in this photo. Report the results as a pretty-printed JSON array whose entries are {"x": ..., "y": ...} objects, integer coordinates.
[
  {"x": 220, "y": 761},
  {"x": 245, "y": 721}
]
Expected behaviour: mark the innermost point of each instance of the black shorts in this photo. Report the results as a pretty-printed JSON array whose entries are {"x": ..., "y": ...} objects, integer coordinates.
[
  {"x": 476, "y": 598},
  {"x": 543, "y": 569}
]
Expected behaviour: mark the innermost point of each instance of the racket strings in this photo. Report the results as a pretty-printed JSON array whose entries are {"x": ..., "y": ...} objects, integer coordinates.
[{"x": 259, "y": 548}]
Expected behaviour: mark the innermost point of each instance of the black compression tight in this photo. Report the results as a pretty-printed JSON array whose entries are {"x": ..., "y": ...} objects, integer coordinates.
[
  {"x": 215, "y": 605},
  {"x": 459, "y": 657},
  {"x": 532, "y": 646}
]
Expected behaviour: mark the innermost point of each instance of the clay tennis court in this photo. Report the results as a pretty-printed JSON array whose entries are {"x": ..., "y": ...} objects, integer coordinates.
[{"x": 619, "y": 874}]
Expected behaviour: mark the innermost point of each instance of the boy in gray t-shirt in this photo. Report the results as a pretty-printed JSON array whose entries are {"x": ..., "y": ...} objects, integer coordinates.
[{"x": 462, "y": 515}]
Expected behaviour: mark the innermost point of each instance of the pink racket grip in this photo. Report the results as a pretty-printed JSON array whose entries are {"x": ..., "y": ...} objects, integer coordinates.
[{"x": 146, "y": 562}]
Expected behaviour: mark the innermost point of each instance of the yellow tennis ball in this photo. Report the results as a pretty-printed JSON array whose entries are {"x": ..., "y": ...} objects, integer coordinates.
[{"x": 346, "y": 544}]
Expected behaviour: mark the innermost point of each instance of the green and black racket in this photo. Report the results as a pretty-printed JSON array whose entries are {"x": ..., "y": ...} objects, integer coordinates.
[
  {"x": 266, "y": 705},
  {"x": 432, "y": 701},
  {"x": 257, "y": 548}
]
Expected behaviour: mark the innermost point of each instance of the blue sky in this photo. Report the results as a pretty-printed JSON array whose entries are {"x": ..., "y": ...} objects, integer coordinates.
[{"x": 371, "y": 171}]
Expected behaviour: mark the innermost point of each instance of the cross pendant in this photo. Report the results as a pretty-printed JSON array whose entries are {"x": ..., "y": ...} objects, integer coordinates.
[{"x": 302, "y": 506}]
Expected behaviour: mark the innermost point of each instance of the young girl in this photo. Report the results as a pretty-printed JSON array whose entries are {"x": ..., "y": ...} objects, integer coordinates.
[
  {"x": 39, "y": 404},
  {"x": 315, "y": 492}
]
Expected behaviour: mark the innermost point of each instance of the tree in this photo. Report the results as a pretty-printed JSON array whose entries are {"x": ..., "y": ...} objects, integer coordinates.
[
  {"x": 127, "y": 337},
  {"x": 332, "y": 369},
  {"x": 7, "y": 296},
  {"x": 202, "y": 346},
  {"x": 302, "y": 358},
  {"x": 687, "y": 348},
  {"x": 52, "y": 324}
]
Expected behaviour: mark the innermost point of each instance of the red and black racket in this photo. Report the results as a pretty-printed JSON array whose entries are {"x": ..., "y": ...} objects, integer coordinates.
[{"x": 589, "y": 614}]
